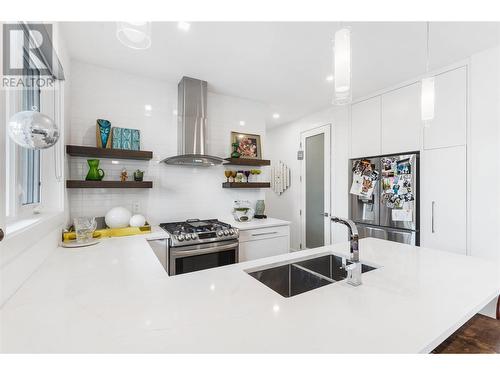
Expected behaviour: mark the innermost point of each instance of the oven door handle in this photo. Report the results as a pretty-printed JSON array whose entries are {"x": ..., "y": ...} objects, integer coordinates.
[{"x": 207, "y": 250}]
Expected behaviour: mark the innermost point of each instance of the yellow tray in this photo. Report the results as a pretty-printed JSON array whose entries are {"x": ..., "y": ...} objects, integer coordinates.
[{"x": 111, "y": 232}]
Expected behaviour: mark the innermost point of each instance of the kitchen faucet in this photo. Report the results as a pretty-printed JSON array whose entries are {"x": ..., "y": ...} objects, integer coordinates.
[{"x": 353, "y": 269}]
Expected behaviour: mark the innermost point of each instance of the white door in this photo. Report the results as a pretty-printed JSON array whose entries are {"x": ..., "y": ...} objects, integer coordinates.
[
  {"x": 315, "y": 187},
  {"x": 448, "y": 128},
  {"x": 443, "y": 205},
  {"x": 401, "y": 120},
  {"x": 365, "y": 128}
]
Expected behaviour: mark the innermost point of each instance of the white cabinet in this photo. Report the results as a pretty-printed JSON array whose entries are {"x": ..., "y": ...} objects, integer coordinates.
[
  {"x": 264, "y": 242},
  {"x": 448, "y": 128},
  {"x": 443, "y": 205},
  {"x": 401, "y": 129},
  {"x": 365, "y": 128}
]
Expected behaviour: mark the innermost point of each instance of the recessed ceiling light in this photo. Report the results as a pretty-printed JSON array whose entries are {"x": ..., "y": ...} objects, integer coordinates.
[
  {"x": 276, "y": 115},
  {"x": 184, "y": 26},
  {"x": 135, "y": 35},
  {"x": 242, "y": 123},
  {"x": 174, "y": 112},
  {"x": 329, "y": 78}
]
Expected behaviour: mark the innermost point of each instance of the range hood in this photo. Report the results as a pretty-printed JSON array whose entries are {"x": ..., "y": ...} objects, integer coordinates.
[{"x": 191, "y": 125}]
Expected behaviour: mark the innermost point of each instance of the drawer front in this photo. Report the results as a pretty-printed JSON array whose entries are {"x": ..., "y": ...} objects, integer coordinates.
[
  {"x": 263, "y": 233},
  {"x": 251, "y": 250}
]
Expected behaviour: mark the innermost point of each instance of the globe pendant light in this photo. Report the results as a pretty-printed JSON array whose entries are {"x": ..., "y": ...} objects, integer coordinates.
[
  {"x": 32, "y": 129},
  {"x": 342, "y": 66},
  {"x": 135, "y": 35},
  {"x": 428, "y": 94}
]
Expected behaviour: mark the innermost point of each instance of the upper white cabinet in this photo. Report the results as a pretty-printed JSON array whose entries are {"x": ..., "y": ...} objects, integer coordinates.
[
  {"x": 365, "y": 128},
  {"x": 443, "y": 203},
  {"x": 448, "y": 128},
  {"x": 401, "y": 120}
]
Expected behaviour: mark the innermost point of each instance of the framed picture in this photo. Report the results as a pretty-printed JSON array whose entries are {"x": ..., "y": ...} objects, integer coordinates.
[{"x": 248, "y": 145}]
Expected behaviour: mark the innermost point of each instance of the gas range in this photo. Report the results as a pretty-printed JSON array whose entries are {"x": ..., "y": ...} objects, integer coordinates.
[{"x": 196, "y": 231}]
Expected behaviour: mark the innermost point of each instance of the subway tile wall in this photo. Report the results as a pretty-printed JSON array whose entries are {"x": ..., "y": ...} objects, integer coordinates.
[{"x": 147, "y": 104}]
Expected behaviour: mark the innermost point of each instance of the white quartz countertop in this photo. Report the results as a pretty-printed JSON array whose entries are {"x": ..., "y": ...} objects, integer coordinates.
[
  {"x": 255, "y": 223},
  {"x": 116, "y": 297}
]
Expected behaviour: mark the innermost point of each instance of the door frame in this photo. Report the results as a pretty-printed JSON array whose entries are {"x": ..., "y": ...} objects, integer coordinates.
[{"x": 326, "y": 130}]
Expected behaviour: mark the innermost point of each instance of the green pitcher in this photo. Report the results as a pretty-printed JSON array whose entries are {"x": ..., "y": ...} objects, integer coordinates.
[{"x": 95, "y": 173}]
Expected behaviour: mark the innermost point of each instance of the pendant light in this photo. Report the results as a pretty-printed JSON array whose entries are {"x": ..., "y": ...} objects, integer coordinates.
[
  {"x": 135, "y": 35},
  {"x": 428, "y": 95},
  {"x": 342, "y": 66},
  {"x": 33, "y": 130}
]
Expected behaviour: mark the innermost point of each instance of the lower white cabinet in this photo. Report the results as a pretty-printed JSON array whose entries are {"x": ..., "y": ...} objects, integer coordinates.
[
  {"x": 443, "y": 205},
  {"x": 264, "y": 242}
]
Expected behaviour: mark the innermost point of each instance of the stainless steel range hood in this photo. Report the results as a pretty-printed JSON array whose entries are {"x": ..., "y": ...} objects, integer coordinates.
[{"x": 191, "y": 125}]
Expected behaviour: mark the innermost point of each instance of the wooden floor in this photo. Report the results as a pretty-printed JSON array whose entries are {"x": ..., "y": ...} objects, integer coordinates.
[{"x": 481, "y": 334}]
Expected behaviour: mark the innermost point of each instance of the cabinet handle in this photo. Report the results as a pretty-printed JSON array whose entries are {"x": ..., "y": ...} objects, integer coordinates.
[
  {"x": 1, "y": 234},
  {"x": 432, "y": 217},
  {"x": 263, "y": 234}
]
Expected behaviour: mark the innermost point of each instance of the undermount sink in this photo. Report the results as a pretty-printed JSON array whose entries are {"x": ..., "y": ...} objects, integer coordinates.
[{"x": 301, "y": 276}]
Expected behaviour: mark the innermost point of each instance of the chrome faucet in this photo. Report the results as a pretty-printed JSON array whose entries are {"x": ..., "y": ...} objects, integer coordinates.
[{"x": 353, "y": 269}]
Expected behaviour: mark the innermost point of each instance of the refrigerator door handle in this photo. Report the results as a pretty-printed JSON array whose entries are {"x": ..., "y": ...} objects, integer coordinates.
[{"x": 433, "y": 204}]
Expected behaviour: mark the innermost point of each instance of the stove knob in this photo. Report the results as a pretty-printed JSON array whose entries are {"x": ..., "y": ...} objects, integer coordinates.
[
  {"x": 180, "y": 237},
  {"x": 226, "y": 232},
  {"x": 193, "y": 236},
  {"x": 231, "y": 231},
  {"x": 220, "y": 233}
]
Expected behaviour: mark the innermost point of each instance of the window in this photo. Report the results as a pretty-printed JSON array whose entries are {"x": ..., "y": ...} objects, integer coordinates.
[
  {"x": 30, "y": 159},
  {"x": 23, "y": 165}
]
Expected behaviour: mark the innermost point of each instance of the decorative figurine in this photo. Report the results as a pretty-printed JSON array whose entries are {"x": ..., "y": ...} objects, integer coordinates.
[
  {"x": 123, "y": 175},
  {"x": 138, "y": 175},
  {"x": 235, "y": 154}
]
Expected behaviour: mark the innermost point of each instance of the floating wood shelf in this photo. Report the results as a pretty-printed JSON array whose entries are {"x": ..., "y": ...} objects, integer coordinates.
[
  {"x": 250, "y": 162},
  {"x": 111, "y": 153},
  {"x": 77, "y": 184},
  {"x": 246, "y": 185}
]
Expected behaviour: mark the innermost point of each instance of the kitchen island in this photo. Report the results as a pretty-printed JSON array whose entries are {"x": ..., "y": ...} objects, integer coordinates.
[{"x": 116, "y": 297}]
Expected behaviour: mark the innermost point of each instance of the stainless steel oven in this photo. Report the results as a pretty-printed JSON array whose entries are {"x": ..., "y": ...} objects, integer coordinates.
[
  {"x": 199, "y": 257},
  {"x": 195, "y": 245}
]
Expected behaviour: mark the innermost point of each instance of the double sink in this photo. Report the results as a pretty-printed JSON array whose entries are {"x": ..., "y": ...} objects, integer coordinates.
[{"x": 301, "y": 276}]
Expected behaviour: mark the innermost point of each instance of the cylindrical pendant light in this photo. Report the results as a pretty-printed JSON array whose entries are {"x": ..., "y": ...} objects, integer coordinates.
[
  {"x": 428, "y": 94},
  {"x": 342, "y": 66},
  {"x": 135, "y": 35}
]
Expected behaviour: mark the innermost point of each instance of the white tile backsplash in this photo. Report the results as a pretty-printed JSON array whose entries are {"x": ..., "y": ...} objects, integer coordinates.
[{"x": 178, "y": 192}]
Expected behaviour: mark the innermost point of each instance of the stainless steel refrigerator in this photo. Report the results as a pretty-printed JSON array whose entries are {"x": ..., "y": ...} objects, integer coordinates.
[{"x": 391, "y": 212}]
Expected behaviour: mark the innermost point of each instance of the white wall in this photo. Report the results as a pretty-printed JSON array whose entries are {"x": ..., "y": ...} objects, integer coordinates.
[
  {"x": 178, "y": 192},
  {"x": 484, "y": 159},
  {"x": 283, "y": 144},
  {"x": 483, "y": 148},
  {"x": 23, "y": 252}
]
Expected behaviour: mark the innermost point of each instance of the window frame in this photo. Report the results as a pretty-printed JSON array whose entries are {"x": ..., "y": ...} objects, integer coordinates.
[{"x": 16, "y": 209}]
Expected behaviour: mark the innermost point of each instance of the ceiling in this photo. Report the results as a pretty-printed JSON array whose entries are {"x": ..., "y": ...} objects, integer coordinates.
[{"x": 282, "y": 64}]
